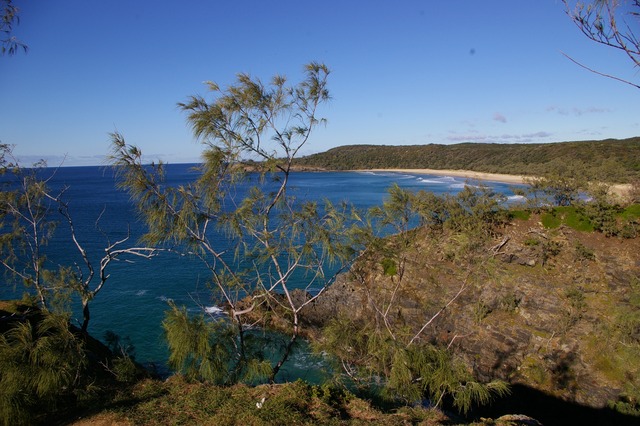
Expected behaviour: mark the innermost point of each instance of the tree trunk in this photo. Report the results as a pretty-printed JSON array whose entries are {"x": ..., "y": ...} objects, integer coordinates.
[
  {"x": 86, "y": 316},
  {"x": 287, "y": 351}
]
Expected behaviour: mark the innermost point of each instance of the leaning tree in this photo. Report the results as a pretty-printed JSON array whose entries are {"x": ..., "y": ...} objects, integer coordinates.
[{"x": 268, "y": 253}]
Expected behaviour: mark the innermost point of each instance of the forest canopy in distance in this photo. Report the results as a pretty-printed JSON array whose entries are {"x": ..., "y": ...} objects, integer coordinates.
[{"x": 610, "y": 160}]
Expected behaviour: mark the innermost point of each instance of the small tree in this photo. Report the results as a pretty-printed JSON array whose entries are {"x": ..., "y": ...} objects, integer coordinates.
[
  {"x": 28, "y": 210},
  {"x": 26, "y": 227},
  {"x": 255, "y": 238},
  {"x": 10, "y": 17}
]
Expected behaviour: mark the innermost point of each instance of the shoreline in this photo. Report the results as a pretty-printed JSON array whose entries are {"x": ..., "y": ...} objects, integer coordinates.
[
  {"x": 620, "y": 190},
  {"x": 492, "y": 177}
]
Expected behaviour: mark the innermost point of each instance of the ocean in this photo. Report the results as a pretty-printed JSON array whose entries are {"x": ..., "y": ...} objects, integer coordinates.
[{"x": 134, "y": 299}]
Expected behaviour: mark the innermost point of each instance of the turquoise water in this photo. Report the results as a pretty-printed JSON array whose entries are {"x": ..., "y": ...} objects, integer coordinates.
[{"x": 134, "y": 299}]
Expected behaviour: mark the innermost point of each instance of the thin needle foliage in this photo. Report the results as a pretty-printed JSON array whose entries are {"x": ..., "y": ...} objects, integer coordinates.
[{"x": 237, "y": 216}]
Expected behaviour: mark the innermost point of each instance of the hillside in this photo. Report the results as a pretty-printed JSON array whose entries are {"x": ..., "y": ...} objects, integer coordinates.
[
  {"x": 552, "y": 310},
  {"x": 610, "y": 160}
]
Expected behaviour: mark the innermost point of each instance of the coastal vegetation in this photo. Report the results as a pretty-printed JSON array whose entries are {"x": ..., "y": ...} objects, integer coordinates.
[
  {"x": 27, "y": 207},
  {"x": 425, "y": 304},
  {"x": 435, "y": 287},
  {"x": 430, "y": 307}
]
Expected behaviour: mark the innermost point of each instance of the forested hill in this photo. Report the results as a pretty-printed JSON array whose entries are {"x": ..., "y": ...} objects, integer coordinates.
[{"x": 611, "y": 160}]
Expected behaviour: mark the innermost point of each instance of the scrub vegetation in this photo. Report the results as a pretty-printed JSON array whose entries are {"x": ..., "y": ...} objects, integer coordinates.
[{"x": 416, "y": 312}]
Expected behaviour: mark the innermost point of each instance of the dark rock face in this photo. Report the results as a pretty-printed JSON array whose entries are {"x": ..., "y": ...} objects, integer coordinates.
[{"x": 539, "y": 312}]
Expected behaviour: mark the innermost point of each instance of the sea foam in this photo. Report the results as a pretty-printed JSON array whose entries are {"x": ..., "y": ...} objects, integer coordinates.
[{"x": 213, "y": 310}]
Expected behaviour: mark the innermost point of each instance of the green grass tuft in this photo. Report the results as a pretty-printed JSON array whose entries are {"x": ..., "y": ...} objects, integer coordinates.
[
  {"x": 569, "y": 216},
  {"x": 520, "y": 214},
  {"x": 550, "y": 220},
  {"x": 631, "y": 212}
]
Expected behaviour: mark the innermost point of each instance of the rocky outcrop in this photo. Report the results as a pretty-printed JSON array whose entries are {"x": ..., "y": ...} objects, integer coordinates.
[{"x": 547, "y": 309}]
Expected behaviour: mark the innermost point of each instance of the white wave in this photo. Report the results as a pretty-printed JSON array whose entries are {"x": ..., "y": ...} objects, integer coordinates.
[
  {"x": 141, "y": 292},
  {"x": 457, "y": 185},
  {"x": 214, "y": 310},
  {"x": 516, "y": 197},
  {"x": 396, "y": 175},
  {"x": 164, "y": 298},
  {"x": 432, "y": 181},
  {"x": 463, "y": 185},
  {"x": 393, "y": 175}
]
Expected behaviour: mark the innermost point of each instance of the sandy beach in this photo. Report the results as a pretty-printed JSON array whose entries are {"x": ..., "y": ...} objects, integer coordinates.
[
  {"x": 619, "y": 190},
  {"x": 493, "y": 177}
]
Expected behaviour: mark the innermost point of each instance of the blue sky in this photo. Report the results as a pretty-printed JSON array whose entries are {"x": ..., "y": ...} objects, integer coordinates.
[{"x": 403, "y": 72}]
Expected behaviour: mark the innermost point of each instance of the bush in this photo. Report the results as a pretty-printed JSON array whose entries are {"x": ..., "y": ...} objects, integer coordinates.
[
  {"x": 550, "y": 220},
  {"x": 480, "y": 311},
  {"x": 390, "y": 267},
  {"x": 583, "y": 252},
  {"x": 570, "y": 216},
  {"x": 631, "y": 212},
  {"x": 520, "y": 214},
  {"x": 510, "y": 302},
  {"x": 578, "y": 221},
  {"x": 41, "y": 363}
]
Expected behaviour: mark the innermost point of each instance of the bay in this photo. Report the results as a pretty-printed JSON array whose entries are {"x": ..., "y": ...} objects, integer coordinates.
[{"x": 134, "y": 299}]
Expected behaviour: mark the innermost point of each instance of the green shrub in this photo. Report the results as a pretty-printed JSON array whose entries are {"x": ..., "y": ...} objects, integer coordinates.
[
  {"x": 125, "y": 369},
  {"x": 520, "y": 214},
  {"x": 390, "y": 267},
  {"x": 426, "y": 370},
  {"x": 630, "y": 229},
  {"x": 41, "y": 364},
  {"x": 550, "y": 249},
  {"x": 480, "y": 311},
  {"x": 627, "y": 404},
  {"x": 570, "y": 216},
  {"x": 193, "y": 349},
  {"x": 576, "y": 298},
  {"x": 410, "y": 371},
  {"x": 631, "y": 212},
  {"x": 509, "y": 302},
  {"x": 583, "y": 252},
  {"x": 578, "y": 221},
  {"x": 550, "y": 220}
]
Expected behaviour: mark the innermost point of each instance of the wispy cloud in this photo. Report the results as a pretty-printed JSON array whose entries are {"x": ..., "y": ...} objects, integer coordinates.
[
  {"x": 467, "y": 138},
  {"x": 577, "y": 111},
  {"x": 504, "y": 138},
  {"x": 499, "y": 117},
  {"x": 29, "y": 160}
]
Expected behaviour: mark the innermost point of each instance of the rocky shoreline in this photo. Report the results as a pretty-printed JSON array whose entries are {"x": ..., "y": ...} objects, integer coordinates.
[{"x": 537, "y": 320}]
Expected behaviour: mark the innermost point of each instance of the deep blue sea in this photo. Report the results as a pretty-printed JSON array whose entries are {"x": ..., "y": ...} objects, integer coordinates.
[{"x": 134, "y": 299}]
